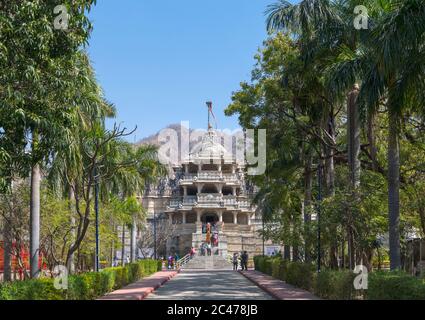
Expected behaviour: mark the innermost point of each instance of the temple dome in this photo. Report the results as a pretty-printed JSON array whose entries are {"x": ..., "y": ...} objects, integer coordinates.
[{"x": 210, "y": 148}]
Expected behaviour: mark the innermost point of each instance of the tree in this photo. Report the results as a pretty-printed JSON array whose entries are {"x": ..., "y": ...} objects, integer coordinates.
[{"x": 38, "y": 87}]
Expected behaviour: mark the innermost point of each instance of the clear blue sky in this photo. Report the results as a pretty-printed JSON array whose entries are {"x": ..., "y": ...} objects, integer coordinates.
[{"x": 160, "y": 61}]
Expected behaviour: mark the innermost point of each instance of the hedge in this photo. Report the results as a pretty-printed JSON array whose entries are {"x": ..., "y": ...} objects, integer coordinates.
[
  {"x": 86, "y": 286},
  {"x": 339, "y": 285},
  {"x": 334, "y": 285},
  {"x": 395, "y": 286}
]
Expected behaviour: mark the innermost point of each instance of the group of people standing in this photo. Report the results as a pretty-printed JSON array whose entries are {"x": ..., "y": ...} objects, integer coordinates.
[
  {"x": 206, "y": 249},
  {"x": 241, "y": 259},
  {"x": 211, "y": 232},
  {"x": 171, "y": 261}
]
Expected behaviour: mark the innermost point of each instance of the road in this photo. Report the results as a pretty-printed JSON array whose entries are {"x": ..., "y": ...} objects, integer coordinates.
[{"x": 209, "y": 285}]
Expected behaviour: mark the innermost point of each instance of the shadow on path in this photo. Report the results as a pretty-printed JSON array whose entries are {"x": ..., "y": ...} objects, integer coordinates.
[{"x": 209, "y": 285}]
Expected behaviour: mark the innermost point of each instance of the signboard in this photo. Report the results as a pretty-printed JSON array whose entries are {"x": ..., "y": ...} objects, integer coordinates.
[{"x": 272, "y": 250}]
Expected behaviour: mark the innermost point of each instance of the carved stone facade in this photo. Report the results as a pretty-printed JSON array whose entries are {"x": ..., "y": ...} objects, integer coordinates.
[{"x": 207, "y": 187}]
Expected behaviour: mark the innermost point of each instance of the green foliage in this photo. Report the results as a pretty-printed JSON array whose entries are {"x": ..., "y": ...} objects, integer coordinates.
[
  {"x": 300, "y": 275},
  {"x": 334, "y": 285},
  {"x": 351, "y": 101},
  {"x": 339, "y": 285},
  {"x": 86, "y": 286},
  {"x": 395, "y": 286},
  {"x": 296, "y": 273},
  {"x": 40, "y": 289}
]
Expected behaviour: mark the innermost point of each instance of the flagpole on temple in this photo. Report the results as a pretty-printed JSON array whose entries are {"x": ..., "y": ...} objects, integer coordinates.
[{"x": 209, "y": 105}]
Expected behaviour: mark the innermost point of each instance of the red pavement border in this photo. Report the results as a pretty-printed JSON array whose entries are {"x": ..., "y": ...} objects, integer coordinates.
[
  {"x": 278, "y": 289},
  {"x": 141, "y": 289}
]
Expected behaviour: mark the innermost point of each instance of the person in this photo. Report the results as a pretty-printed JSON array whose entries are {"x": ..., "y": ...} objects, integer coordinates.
[
  {"x": 192, "y": 252},
  {"x": 128, "y": 259},
  {"x": 235, "y": 261},
  {"x": 170, "y": 262},
  {"x": 209, "y": 249},
  {"x": 115, "y": 262},
  {"x": 244, "y": 260}
]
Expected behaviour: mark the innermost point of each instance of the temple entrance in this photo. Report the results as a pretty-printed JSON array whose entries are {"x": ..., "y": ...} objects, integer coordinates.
[{"x": 211, "y": 218}]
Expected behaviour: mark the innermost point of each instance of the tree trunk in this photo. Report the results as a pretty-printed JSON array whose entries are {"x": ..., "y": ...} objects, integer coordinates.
[
  {"x": 308, "y": 185},
  {"x": 394, "y": 190},
  {"x": 353, "y": 130},
  {"x": 353, "y": 137},
  {"x": 372, "y": 140},
  {"x": 123, "y": 245},
  {"x": 35, "y": 221},
  {"x": 71, "y": 262},
  {"x": 113, "y": 247},
  {"x": 133, "y": 241},
  {"x": 330, "y": 185},
  {"x": 7, "y": 259},
  {"x": 287, "y": 252},
  {"x": 351, "y": 249}
]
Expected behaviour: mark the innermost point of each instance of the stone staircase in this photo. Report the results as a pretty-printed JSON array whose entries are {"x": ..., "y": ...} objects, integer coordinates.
[{"x": 214, "y": 262}]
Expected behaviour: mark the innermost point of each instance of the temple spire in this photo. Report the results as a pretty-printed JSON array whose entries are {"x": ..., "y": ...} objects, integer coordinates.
[{"x": 210, "y": 113}]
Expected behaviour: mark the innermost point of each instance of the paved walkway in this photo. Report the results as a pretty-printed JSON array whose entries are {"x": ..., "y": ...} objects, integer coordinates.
[
  {"x": 139, "y": 290},
  {"x": 277, "y": 288},
  {"x": 209, "y": 285}
]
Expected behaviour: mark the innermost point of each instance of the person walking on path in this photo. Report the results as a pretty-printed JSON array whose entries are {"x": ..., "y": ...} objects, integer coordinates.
[
  {"x": 235, "y": 261},
  {"x": 244, "y": 260}
]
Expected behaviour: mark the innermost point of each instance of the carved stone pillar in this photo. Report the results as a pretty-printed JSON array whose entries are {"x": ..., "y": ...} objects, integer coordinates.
[
  {"x": 220, "y": 188},
  {"x": 235, "y": 217},
  {"x": 200, "y": 188}
]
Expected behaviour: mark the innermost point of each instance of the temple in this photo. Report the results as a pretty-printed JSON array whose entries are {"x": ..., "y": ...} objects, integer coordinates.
[{"x": 208, "y": 201}]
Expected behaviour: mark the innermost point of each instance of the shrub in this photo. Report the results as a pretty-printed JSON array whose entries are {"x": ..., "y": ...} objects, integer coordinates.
[
  {"x": 276, "y": 268},
  {"x": 268, "y": 266},
  {"x": 259, "y": 263},
  {"x": 395, "y": 286},
  {"x": 335, "y": 285},
  {"x": 300, "y": 275},
  {"x": 86, "y": 286}
]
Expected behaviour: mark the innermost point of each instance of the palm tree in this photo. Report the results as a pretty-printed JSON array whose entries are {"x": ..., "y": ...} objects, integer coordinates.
[
  {"x": 67, "y": 164},
  {"x": 388, "y": 61},
  {"x": 409, "y": 20},
  {"x": 398, "y": 52}
]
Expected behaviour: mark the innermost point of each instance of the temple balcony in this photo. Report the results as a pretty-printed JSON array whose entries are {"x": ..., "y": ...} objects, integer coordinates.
[
  {"x": 209, "y": 200},
  {"x": 210, "y": 176}
]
